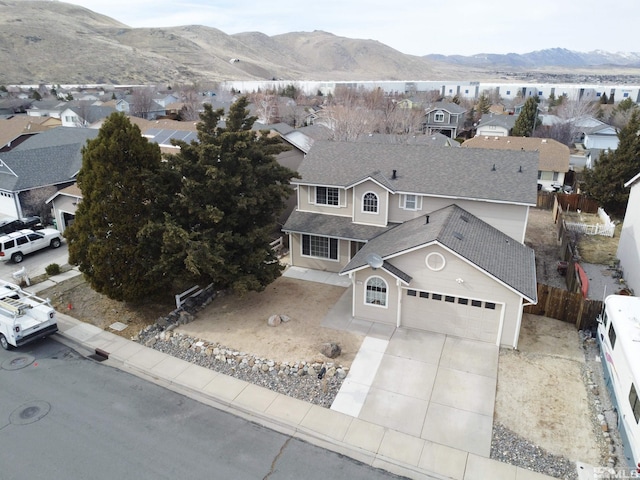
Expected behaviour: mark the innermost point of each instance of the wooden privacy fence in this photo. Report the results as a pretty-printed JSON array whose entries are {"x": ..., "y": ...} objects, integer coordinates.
[
  {"x": 566, "y": 306},
  {"x": 571, "y": 202}
]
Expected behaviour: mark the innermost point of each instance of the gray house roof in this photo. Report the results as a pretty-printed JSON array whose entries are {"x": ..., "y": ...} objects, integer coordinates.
[
  {"x": 454, "y": 228},
  {"x": 58, "y": 136},
  {"x": 470, "y": 173},
  {"x": 38, "y": 167},
  {"x": 437, "y": 139},
  {"x": 505, "y": 121},
  {"x": 51, "y": 157},
  {"x": 330, "y": 225},
  {"x": 448, "y": 106}
]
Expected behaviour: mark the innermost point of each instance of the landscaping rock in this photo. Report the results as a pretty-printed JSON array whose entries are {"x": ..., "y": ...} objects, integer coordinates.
[
  {"x": 330, "y": 350},
  {"x": 274, "y": 320}
]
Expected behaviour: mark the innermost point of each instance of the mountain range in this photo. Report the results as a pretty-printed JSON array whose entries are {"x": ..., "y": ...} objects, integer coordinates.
[{"x": 60, "y": 43}]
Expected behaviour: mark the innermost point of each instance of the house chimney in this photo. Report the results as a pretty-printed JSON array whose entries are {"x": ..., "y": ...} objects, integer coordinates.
[{"x": 394, "y": 175}]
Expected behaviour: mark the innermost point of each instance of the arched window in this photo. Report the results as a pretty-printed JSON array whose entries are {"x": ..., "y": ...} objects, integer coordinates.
[
  {"x": 376, "y": 292},
  {"x": 370, "y": 202}
]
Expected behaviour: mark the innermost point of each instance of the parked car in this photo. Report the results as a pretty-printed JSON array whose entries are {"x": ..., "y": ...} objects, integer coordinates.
[
  {"x": 13, "y": 225},
  {"x": 14, "y": 246}
]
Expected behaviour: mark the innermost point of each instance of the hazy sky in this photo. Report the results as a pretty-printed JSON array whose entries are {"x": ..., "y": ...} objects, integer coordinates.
[{"x": 416, "y": 27}]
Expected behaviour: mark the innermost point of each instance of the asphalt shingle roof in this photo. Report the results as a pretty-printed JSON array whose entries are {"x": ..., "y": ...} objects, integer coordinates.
[
  {"x": 331, "y": 226},
  {"x": 58, "y": 136},
  {"x": 473, "y": 173},
  {"x": 465, "y": 234}
]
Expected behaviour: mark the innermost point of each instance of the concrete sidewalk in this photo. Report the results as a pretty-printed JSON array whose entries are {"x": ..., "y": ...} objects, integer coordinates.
[{"x": 363, "y": 440}]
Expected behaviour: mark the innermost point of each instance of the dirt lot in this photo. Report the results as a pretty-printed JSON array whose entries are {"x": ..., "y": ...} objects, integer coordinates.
[
  {"x": 241, "y": 323},
  {"x": 541, "y": 393},
  {"x": 541, "y": 236}
]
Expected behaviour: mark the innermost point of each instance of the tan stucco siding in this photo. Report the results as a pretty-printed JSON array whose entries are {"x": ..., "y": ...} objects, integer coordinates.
[
  {"x": 359, "y": 216},
  {"x": 508, "y": 218},
  {"x": 476, "y": 285},
  {"x": 400, "y": 215},
  {"x": 383, "y": 314},
  {"x": 299, "y": 260},
  {"x": 305, "y": 192}
]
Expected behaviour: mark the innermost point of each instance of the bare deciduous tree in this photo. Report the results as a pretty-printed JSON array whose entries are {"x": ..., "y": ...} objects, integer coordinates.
[
  {"x": 33, "y": 202},
  {"x": 142, "y": 100}
]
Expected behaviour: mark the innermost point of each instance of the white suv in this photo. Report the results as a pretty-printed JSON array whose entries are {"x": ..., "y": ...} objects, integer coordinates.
[{"x": 14, "y": 246}]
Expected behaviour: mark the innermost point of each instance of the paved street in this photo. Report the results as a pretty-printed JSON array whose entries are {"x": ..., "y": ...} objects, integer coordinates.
[
  {"x": 35, "y": 263},
  {"x": 65, "y": 416}
]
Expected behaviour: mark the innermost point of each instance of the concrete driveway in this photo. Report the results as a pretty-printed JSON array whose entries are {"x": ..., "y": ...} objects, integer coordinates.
[{"x": 427, "y": 385}]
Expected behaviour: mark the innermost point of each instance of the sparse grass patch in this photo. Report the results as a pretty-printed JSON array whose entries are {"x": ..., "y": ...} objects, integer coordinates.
[{"x": 598, "y": 249}]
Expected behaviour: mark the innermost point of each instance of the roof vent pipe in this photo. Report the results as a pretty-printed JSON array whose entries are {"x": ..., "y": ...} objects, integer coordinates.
[
  {"x": 426, "y": 220},
  {"x": 394, "y": 174}
]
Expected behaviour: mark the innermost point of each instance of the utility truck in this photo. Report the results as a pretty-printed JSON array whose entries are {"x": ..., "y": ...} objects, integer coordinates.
[{"x": 24, "y": 317}]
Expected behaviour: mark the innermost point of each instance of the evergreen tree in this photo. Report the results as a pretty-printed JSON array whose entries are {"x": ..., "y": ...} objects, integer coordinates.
[
  {"x": 484, "y": 104},
  {"x": 604, "y": 99},
  {"x": 526, "y": 121},
  {"x": 116, "y": 204},
  {"x": 229, "y": 189},
  {"x": 605, "y": 182}
]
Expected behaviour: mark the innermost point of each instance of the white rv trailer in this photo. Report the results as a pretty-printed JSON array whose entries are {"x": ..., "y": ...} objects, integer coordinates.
[{"x": 619, "y": 340}]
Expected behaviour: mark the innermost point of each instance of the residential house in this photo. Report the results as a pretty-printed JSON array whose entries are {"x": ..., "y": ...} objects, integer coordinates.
[
  {"x": 446, "y": 118},
  {"x": 127, "y": 105},
  {"x": 17, "y": 128},
  {"x": 495, "y": 125},
  {"x": 594, "y": 134},
  {"x": 431, "y": 237},
  {"x": 63, "y": 205},
  {"x": 84, "y": 115},
  {"x": 51, "y": 158},
  {"x": 50, "y": 107},
  {"x": 629, "y": 244},
  {"x": 553, "y": 156}
]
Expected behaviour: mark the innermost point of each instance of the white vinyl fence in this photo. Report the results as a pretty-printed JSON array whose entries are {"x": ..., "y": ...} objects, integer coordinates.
[{"x": 606, "y": 228}]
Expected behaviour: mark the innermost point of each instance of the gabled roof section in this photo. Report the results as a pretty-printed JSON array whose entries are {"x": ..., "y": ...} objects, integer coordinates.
[
  {"x": 471, "y": 173},
  {"x": 39, "y": 167},
  {"x": 58, "y": 136},
  {"x": 299, "y": 140},
  {"x": 554, "y": 156},
  {"x": 455, "y": 229},
  {"x": 70, "y": 191},
  {"x": 17, "y": 125},
  {"x": 505, "y": 121},
  {"x": 437, "y": 139},
  {"x": 447, "y": 106},
  {"x": 396, "y": 272}
]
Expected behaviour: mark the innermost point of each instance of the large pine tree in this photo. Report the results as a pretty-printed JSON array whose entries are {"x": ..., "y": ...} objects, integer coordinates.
[
  {"x": 228, "y": 189},
  {"x": 116, "y": 204},
  {"x": 605, "y": 182}
]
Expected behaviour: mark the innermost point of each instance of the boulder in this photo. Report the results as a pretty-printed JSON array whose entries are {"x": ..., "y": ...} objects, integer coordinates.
[
  {"x": 274, "y": 320},
  {"x": 330, "y": 350}
]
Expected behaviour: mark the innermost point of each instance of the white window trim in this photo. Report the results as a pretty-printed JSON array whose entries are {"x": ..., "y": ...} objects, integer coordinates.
[
  {"x": 313, "y": 196},
  {"x": 386, "y": 305},
  {"x": 327, "y": 259},
  {"x": 403, "y": 202},
  {"x": 436, "y": 115},
  {"x": 362, "y": 210}
]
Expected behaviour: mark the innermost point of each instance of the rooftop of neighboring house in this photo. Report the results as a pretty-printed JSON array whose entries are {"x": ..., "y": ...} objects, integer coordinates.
[
  {"x": 554, "y": 156},
  {"x": 506, "y": 121},
  {"x": 448, "y": 106},
  {"x": 470, "y": 173},
  {"x": 18, "y": 125},
  {"x": 437, "y": 139}
]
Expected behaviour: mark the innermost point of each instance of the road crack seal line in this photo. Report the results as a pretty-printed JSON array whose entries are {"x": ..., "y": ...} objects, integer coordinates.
[
  {"x": 29, "y": 412},
  {"x": 276, "y": 458}
]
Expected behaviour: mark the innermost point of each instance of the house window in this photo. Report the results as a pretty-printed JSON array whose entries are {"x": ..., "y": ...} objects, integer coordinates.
[
  {"x": 376, "y": 292},
  {"x": 327, "y": 196},
  {"x": 438, "y": 117},
  {"x": 411, "y": 293},
  {"x": 410, "y": 202},
  {"x": 490, "y": 305},
  {"x": 476, "y": 303},
  {"x": 370, "y": 203},
  {"x": 634, "y": 402},
  {"x": 625, "y": 95},
  {"x": 320, "y": 247},
  {"x": 508, "y": 92},
  {"x": 555, "y": 176},
  {"x": 436, "y": 296},
  {"x": 424, "y": 294}
]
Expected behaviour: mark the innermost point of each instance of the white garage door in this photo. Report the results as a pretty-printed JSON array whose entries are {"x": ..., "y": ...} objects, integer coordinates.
[{"x": 458, "y": 316}]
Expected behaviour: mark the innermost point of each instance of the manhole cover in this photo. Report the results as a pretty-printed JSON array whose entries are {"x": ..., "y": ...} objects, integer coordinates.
[
  {"x": 29, "y": 413},
  {"x": 16, "y": 363}
]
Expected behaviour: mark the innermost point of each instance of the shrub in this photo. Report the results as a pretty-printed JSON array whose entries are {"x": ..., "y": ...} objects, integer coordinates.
[{"x": 52, "y": 269}]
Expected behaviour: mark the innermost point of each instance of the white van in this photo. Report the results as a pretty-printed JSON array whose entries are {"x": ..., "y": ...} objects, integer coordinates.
[{"x": 14, "y": 246}]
